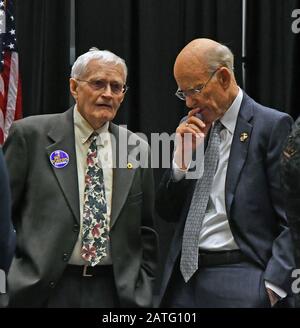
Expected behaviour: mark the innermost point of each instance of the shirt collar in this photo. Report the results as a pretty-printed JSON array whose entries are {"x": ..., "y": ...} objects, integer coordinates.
[
  {"x": 83, "y": 127},
  {"x": 230, "y": 117}
]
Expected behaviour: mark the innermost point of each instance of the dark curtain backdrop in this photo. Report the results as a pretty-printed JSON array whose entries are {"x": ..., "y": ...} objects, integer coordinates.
[
  {"x": 148, "y": 34},
  {"x": 43, "y": 34},
  {"x": 273, "y": 53}
]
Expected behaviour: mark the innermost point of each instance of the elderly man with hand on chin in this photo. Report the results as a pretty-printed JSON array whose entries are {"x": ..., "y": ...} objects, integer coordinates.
[{"x": 232, "y": 246}]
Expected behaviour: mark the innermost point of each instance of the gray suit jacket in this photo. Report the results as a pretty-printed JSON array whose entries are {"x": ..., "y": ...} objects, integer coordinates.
[
  {"x": 46, "y": 213},
  {"x": 7, "y": 234}
]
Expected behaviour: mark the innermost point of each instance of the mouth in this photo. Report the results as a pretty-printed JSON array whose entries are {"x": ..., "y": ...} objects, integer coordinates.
[
  {"x": 104, "y": 105},
  {"x": 200, "y": 113},
  {"x": 200, "y": 110}
]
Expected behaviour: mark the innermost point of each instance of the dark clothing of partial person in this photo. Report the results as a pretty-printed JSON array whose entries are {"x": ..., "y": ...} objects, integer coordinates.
[
  {"x": 7, "y": 233},
  {"x": 290, "y": 178}
]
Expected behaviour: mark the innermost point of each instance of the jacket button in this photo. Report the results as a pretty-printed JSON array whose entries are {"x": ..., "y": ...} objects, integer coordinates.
[
  {"x": 65, "y": 257},
  {"x": 52, "y": 284},
  {"x": 75, "y": 227}
]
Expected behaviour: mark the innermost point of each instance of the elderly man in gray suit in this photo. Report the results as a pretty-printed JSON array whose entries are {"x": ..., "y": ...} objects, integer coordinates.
[{"x": 83, "y": 214}]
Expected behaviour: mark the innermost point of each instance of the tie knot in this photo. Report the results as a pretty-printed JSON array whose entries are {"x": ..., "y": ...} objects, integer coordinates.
[
  {"x": 218, "y": 126},
  {"x": 93, "y": 144},
  {"x": 93, "y": 137}
]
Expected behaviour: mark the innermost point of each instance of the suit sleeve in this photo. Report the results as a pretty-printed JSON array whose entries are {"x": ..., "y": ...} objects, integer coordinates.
[
  {"x": 149, "y": 235},
  {"x": 7, "y": 234},
  {"x": 281, "y": 263},
  {"x": 290, "y": 179},
  {"x": 171, "y": 197},
  {"x": 16, "y": 154}
]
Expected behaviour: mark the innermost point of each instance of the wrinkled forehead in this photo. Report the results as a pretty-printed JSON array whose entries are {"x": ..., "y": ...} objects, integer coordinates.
[
  {"x": 104, "y": 70},
  {"x": 189, "y": 73},
  {"x": 189, "y": 64}
]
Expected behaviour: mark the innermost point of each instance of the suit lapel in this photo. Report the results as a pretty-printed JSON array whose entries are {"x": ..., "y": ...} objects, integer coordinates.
[
  {"x": 122, "y": 176},
  {"x": 239, "y": 150},
  {"x": 62, "y": 135}
]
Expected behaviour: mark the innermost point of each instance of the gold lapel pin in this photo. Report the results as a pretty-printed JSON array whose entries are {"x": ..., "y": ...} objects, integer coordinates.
[
  {"x": 289, "y": 152},
  {"x": 243, "y": 136},
  {"x": 129, "y": 166}
]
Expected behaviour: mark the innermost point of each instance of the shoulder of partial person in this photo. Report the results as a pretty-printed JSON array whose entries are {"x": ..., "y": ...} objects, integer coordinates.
[
  {"x": 270, "y": 115},
  {"x": 297, "y": 123}
]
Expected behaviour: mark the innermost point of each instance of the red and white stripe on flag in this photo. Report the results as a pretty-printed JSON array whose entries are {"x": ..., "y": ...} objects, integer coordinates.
[
  {"x": 10, "y": 85},
  {"x": 10, "y": 93}
]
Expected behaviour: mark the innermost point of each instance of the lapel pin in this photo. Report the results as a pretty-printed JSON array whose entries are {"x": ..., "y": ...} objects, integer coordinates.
[
  {"x": 289, "y": 152},
  {"x": 129, "y": 166},
  {"x": 59, "y": 159},
  {"x": 243, "y": 136}
]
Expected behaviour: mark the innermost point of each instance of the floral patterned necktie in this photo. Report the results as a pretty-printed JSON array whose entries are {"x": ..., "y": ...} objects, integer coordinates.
[{"x": 94, "y": 224}]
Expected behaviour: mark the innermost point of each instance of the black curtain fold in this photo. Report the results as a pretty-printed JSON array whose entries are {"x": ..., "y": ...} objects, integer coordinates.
[
  {"x": 149, "y": 35},
  {"x": 273, "y": 72},
  {"x": 43, "y": 34}
]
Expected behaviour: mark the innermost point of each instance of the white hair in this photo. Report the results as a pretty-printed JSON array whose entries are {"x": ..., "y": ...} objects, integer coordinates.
[
  {"x": 79, "y": 68},
  {"x": 220, "y": 56}
]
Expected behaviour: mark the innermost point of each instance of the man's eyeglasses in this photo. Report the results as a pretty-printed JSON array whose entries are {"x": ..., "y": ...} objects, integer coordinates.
[
  {"x": 100, "y": 85},
  {"x": 183, "y": 94}
]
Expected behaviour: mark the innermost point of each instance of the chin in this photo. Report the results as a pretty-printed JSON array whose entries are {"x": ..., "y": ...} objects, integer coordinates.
[
  {"x": 109, "y": 116},
  {"x": 210, "y": 117},
  {"x": 105, "y": 117}
]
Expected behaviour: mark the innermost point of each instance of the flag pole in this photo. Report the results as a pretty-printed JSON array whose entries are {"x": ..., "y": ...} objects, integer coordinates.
[{"x": 244, "y": 50}]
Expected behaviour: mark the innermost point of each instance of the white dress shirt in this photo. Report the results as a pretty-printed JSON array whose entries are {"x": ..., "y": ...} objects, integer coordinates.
[{"x": 215, "y": 233}]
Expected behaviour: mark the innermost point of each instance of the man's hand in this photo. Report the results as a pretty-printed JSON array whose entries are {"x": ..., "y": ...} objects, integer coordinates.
[
  {"x": 274, "y": 298},
  {"x": 189, "y": 134}
]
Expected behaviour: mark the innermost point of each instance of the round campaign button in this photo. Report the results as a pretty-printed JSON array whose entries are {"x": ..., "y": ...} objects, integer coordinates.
[{"x": 59, "y": 159}]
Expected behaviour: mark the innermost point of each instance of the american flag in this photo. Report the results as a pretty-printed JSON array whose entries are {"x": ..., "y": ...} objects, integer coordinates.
[{"x": 10, "y": 84}]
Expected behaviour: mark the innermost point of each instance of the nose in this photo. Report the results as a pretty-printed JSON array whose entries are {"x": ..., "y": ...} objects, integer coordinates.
[
  {"x": 190, "y": 102},
  {"x": 107, "y": 92}
]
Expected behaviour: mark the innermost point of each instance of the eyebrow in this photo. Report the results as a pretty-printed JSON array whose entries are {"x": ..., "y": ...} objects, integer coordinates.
[
  {"x": 106, "y": 80},
  {"x": 193, "y": 88}
]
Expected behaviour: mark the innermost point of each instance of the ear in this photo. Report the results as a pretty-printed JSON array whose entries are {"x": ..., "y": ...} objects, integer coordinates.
[
  {"x": 224, "y": 77},
  {"x": 73, "y": 88},
  {"x": 122, "y": 98}
]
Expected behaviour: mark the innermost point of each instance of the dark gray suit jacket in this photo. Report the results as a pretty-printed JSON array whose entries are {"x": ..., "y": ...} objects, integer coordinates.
[
  {"x": 46, "y": 213},
  {"x": 7, "y": 235},
  {"x": 253, "y": 196},
  {"x": 290, "y": 178}
]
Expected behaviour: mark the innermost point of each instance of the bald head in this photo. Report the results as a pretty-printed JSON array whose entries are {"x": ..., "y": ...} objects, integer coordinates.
[
  {"x": 204, "y": 74},
  {"x": 204, "y": 54}
]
